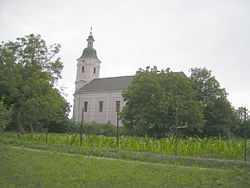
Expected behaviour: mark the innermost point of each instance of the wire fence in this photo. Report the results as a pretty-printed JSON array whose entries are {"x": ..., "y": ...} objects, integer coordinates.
[{"x": 217, "y": 148}]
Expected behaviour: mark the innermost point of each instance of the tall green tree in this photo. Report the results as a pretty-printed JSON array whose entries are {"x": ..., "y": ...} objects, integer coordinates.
[
  {"x": 157, "y": 101},
  {"x": 217, "y": 110},
  {"x": 4, "y": 116},
  {"x": 28, "y": 71},
  {"x": 242, "y": 120}
]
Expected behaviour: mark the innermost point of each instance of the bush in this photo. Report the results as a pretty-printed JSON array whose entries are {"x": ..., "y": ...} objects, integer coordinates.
[
  {"x": 62, "y": 127},
  {"x": 105, "y": 129}
]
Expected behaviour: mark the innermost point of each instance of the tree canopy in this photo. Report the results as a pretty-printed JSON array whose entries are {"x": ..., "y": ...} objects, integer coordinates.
[
  {"x": 157, "y": 101},
  {"x": 218, "y": 112},
  {"x": 4, "y": 116},
  {"x": 242, "y": 124},
  {"x": 29, "y": 70}
]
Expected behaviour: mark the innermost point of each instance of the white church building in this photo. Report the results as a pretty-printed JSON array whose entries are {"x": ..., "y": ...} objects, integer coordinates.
[{"x": 96, "y": 99}]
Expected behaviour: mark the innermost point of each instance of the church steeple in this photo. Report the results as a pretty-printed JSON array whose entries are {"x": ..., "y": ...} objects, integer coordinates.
[
  {"x": 88, "y": 65},
  {"x": 90, "y": 39},
  {"x": 89, "y": 52}
]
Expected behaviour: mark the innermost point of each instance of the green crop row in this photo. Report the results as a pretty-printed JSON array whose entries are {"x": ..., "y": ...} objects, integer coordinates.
[{"x": 192, "y": 146}]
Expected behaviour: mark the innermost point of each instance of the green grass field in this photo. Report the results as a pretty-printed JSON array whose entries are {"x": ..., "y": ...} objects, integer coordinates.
[
  {"x": 21, "y": 167},
  {"x": 29, "y": 164}
]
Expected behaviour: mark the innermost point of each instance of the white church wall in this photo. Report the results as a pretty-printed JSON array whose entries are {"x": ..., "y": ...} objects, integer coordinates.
[{"x": 93, "y": 112}]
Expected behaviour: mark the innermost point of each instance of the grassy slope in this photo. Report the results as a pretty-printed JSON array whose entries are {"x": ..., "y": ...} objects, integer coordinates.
[{"x": 26, "y": 168}]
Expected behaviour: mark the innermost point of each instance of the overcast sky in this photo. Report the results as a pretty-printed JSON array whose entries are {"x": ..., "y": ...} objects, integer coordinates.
[{"x": 129, "y": 34}]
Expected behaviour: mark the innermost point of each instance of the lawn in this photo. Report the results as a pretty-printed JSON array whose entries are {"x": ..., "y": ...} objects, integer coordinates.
[{"x": 24, "y": 167}]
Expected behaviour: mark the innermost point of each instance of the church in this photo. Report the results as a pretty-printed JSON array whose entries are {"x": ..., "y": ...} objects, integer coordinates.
[{"x": 97, "y": 99}]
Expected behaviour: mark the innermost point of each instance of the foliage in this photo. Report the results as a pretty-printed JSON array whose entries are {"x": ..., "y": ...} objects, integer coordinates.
[
  {"x": 217, "y": 110},
  {"x": 195, "y": 147},
  {"x": 206, "y": 86},
  {"x": 28, "y": 72},
  {"x": 157, "y": 101},
  {"x": 53, "y": 169},
  {"x": 4, "y": 116},
  {"x": 243, "y": 123},
  {"x": 12, "y": 139},
  {"x": 105, "y": 129}
]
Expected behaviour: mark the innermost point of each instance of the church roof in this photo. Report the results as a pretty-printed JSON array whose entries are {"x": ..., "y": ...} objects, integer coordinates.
[
  {"x": 107, "y": 84},
  {"x": 89, "y": 52}
]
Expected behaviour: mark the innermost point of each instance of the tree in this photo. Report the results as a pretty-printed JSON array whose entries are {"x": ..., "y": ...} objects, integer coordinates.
[
  {"x": 217, "y": 110},
  {"x": 154, "y": 100},
  {"x": 4, "y": 116},
  {"x": 28, "y": 72},
  {"x": 242, "y": 120}
]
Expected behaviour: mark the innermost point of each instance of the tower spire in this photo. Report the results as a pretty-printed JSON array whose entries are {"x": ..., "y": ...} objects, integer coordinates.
[{"x": 90, "y": 39}]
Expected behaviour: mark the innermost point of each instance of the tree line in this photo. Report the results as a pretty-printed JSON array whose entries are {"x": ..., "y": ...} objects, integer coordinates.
[
  {"x": 29, "y": 100},
  {"x": 161, "y": 103}
]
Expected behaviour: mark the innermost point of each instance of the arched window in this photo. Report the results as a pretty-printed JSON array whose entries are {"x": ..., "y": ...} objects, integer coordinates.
[
  {"x": 82, "y": 68},
  {"x": 94, "y": 70}
]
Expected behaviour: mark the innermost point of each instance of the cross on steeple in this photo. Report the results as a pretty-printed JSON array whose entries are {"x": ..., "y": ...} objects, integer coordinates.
[{"x": 91, "y": 30}]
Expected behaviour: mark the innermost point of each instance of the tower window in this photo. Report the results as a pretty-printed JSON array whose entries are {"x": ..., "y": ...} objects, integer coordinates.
[
  {"x": 82, "y": 68},
  {"x": 94, "y": 70},
  {"x": 100, "y": 106},
  {"x": 85, "y": 106}
]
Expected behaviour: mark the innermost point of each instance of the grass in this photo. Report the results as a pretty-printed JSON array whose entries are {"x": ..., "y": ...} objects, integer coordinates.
[
  {"x": 21, "y": 167},
  {"x": 136, "y": 156},
  {"x": 193, "y": 147}
]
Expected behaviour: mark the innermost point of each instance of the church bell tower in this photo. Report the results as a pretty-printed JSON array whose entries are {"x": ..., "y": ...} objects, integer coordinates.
[{"x": 88, "y": 65}]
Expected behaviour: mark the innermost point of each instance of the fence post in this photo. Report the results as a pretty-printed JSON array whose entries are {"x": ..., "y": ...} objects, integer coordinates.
[
  {"x": 46, "y": 134},
  {"x": 245, "y": 134},
  {"x": 176, "y": 122},
  {"x": 117, "y": 130},
  {"x": 117, "y": 123},
  {"x": 81, "y": 127}
]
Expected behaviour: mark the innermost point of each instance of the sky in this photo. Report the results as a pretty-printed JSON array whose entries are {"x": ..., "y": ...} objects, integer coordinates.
[{"x": 133, "y": 34}]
